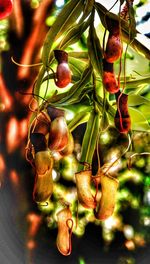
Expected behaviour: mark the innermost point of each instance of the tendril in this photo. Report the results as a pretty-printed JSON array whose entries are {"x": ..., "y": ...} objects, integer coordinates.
[
  {"x": 26, "y": 65},
  {"x": 30, "y": 107},
  {"x": 109, "y": 167},
  {"x": 129, "y": 163},
  {"x": 129, "y": 143},
  {"x": 33, "y": 94}
]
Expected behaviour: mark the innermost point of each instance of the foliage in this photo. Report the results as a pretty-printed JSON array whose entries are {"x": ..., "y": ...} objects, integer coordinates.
[
  {"x": 90, "y": 111},
  {"x": 87, "y": 98}
]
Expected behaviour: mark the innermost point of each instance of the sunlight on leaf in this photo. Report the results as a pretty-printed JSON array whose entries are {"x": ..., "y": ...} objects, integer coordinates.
[
  {"x": 135, "y": 99},
  {"x": 138, "y": 120}
]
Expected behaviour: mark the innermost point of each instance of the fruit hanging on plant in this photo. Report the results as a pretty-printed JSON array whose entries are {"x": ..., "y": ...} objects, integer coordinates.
[
  {"x": 63, "y": 73},
  {"x": 65, "y": 225},
  {"x": 59, "y": 134},
  {"x": 122, "y": 117},
  {"x": 6, "y": 7},
  {"x": 106, "y": 204},
  {"x": 113, "y": 48},
  {"x": 43, "y": 185},
  {"x": 83, "y": 184},
  {"x": 109, "y": 79}
]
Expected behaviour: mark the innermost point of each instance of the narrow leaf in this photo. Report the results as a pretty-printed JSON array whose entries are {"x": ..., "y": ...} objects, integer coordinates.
[
  {"x": 104, "y": 123},
  {"x": 145, "y": 109},
  {"x": 79, "y": 119},
  {"x": 87, "y": 9},
  {"x": 38, "y": 82},
  {"x": 94, "y": 50},
  {"x": 135, "y": 99},
  {"x": 134, "y": 83},
  {"x": 132, "y": 22},
  {"x": 138, "y": 120},
  {"x": 78, "y": 55},
  {"x": 65, "y": 19},
  {"x": 110, "y": 110},
  {"x": 74, "y": 94},
  {"x": 74, "y": 34},
  {"x": 90, "y": 138},
  {"x": 135, "y": 44},
  {"x": 77, "y": 66}
]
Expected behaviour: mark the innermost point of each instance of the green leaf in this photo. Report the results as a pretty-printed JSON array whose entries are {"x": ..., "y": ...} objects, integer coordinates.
[
  {"x": 48, "y": 77},
  {"x": 94, "y": 50},
  {"x": 87, "y": 9},
  {"x": 77, "y": 66},
  {"x": 135, "y": 99},
  {"x": 132, "y": 22},
  {"x": 136, "y": 43},
  {"x": 64, "y": 21},
  {"x": 109, "y": 109},
  {"x": 58, "y": 100},
  {"x": 79, "y": 55},
  {"x": 90, "y": 139},
  {"x": 74, "y": 34},
  {"x": 38, "y": 82},
  {"x": 104, "y": 13},
  {"x": 75, "y": 94},
  {"x": 75, "y": 77},
  {"x": 139, "y": 45},
  {"x": 134, "y": 82},
  {"x": 80, "y": 118},
  {"x": 125, "y": 27},
  {"x": 104, "y": 123},
  {"x": 138, "y": 120},
  {"x": 145, "y": 109}
]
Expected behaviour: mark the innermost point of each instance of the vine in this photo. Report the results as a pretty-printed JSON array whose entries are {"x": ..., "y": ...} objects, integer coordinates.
[{"x": 86, "y": 80}]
